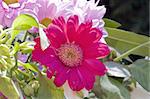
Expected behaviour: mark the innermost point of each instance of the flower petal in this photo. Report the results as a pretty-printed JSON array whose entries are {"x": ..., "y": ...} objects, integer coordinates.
[
  {"x": 95, "y": 66},
  {"x": 88, "y": 35},
  {"x": 72, "y": 25},
  {"x": 75, "y": 80},
  {"x": 55, "y": 35},
  {"x": 44, "y": 57},
  {"x": 89, "y": 77},
  {"x": 60, "y": 22},
  {"x": 61, "y": 77},
  {"x": 96, "y": 50}
]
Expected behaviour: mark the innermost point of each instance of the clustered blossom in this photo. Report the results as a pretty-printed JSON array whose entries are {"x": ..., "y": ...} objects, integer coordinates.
[
  {"x": 10, "y": 9},
  {"x": 73, "y": 54},
  {"x": 46, "y": 10},
  {"x": 86, "y": 10}
]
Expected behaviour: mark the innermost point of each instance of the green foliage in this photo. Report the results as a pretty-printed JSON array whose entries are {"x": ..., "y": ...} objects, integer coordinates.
[
  {"x": 111, "y": 23},
  {"x": 6, "y": 62},
  {"x": 8, "y": 88},
  {"x": 24, "y": 22},
  {"x": 124, "y": 41},
  {"x": 117, "y": 70},
  {"x": 107, "y": 89},
  {"x": 48, "y": 90},
  {"x": 123, "y": 90},
  {"x": 140, "y": 71}
]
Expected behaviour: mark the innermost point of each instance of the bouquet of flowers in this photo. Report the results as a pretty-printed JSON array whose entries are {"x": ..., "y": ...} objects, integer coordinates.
[{"x": 65, "y": 49}]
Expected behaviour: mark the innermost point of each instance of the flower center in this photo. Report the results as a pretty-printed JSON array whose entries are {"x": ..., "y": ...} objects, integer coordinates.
[
  {"x": 46, "y": 21},
  {"x": 70, "y": 54},
  {"x": 11, "y": 1}
]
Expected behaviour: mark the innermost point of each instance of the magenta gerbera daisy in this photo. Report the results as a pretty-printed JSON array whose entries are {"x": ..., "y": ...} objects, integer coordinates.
[{"x": 74, "y": 53}]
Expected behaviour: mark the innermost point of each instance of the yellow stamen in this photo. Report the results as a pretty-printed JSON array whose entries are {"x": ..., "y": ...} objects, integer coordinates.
[
  {"x": 46, "y": 21},
  {"x": 11, "y": 1}
]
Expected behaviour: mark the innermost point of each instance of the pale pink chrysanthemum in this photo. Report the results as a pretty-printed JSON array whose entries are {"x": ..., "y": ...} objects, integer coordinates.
[
  {"x": 86, "y": 10},
  {"x": 9, "y": 9},
  {"x": 74, "y": 53}
]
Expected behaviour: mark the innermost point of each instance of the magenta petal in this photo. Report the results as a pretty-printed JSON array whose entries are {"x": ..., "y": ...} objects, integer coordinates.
[
  {"x": 87, "y": 35},
  {"x": 61, "y": 77},
  {"x": 95, "y": 66},
  {"x": 75, "y": 80},
  {"x": 72, "y": 25},
  {"x": 96, "y": 50},
  {"x": 60, "y": 22},
  {"x": 89, "y": 77},
  {"x": 44, "y": 57},
  {"x": 49, "y": 73},
  {"x": 55, "y": 35}
]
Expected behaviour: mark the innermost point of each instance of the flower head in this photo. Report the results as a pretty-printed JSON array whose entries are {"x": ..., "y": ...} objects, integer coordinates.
[
  {"x": 73, "y": 54},
  {"x": 86, "y": 10},
  {"x": 9, "y": 9},
  {"x": 46, "y": 11}
]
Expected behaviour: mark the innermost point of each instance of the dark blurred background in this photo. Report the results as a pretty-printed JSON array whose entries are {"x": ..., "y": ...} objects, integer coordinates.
[{"x": 132, "y": 14}]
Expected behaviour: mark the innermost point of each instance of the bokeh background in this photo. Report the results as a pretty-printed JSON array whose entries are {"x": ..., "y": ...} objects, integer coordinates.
[{"x": 132, "y": 14}]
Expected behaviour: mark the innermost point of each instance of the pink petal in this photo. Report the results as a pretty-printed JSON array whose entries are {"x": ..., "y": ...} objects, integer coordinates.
[
  {"x": 55, "y": 35},
  {"x": 96, "y": 50},
  {"x": 75, "y": 80},
  {"x": 44, "y": 57},
  {"x": 49, "y": 73},
  {"x": 72, "y": 25},
  {"x": 60, "y": 22},
  {"x": 88, "y": 35},
  {"x": 61, "y": 77},
  {"x": 95, "y": 66},
  {"x": 89, "y": 78}
]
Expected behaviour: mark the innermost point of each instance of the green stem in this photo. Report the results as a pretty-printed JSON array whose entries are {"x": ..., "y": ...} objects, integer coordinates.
[
  {"x": 130, "y": 51},
  {"x": 15, "y": 66},
  {"x": 25, "y": 74},
  {"x": 25, "y": 36}
]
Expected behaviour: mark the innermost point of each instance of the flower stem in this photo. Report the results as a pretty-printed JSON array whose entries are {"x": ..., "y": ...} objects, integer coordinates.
[
  {"x": 15, "y": 66},
  {"x": 130, "y": 51},
  {"x": 25, "y": 36}
]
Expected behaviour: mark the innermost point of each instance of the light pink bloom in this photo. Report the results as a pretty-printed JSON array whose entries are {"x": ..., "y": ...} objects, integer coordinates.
[
  {"x": 8, "y": 12},
  {"x": 74, "y": 53},
  {"x": 46, "y": 9},
  {"x": 86, "y": 10}
]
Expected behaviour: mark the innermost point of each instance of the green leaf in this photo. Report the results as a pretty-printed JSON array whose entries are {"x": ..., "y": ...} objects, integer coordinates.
[
  {"x": 111, "y": 23},
  {"x": 111, "y": 91},
  {"x": 27, "y": 47},
  {"x": 24, "y": 22},
  {"x": 117, "y": 70},
  {"x": 124, "y": 91},
  {"x": 16, "y": 48},
  {"x": 4, "y": 50},
  {"x": 123, "y": 41},
  {"x": 140, "y": 70},
  {"x": 5, "y": 57},
  {"x": 48, "y": 90},
  {"x": 8, "y": 89},
  {"x": 105, "y": 89},
  {"x": 14, "y": 33},
  {"x": 28, "y": 66},
  {"x": 21, "y": 23}
]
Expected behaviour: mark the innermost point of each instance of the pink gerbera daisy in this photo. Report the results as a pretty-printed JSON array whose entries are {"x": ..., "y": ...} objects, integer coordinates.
[{"x": 73, "y": 54}]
